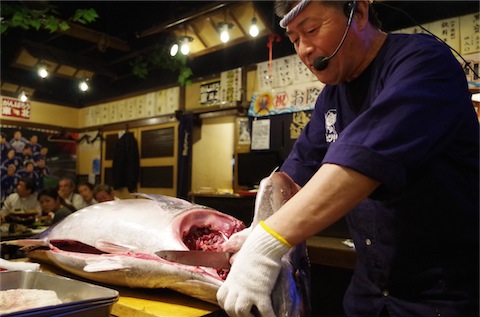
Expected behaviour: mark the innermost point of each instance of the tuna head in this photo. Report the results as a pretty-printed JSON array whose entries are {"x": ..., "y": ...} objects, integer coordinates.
[{"x": 114, "y": 243}]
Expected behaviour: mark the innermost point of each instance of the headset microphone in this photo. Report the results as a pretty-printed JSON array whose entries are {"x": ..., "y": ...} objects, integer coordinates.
[{"x": 321, "y": 62}]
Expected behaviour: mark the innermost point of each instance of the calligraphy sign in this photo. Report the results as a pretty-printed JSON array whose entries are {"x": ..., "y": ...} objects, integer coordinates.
[{"x": 15, "y": 108}]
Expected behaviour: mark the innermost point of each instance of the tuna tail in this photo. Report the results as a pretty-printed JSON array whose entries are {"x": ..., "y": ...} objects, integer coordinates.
[{"x": 291, "y": 294}]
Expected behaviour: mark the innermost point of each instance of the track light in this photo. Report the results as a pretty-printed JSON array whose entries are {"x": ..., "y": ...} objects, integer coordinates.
[
  {"x": 183, "y": 44},
  {"x": 174, "y": 49},
  {"x": 224, "y": 28},
  {"x": 23, "y": 97},
  {"x": 84, "y": 84},
  {"x": 254, "y": 28},
  {"x": 42, "y": 71}
]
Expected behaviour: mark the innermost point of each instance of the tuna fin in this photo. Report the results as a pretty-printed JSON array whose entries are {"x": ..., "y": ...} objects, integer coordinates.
[
  {"x": 99, "y": 264},
  {"x": 115, "y": 248},
  {"x": 168, "y": 200},
  {"x": 28, "y": 243}
]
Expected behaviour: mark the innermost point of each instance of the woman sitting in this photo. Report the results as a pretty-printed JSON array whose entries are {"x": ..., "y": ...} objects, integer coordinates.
[{"x": 53, "y": 205}]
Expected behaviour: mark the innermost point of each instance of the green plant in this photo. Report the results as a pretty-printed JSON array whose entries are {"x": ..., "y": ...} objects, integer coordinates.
[
  {"x": 18, "y": 16},
  {"x": 160, "y": 57}
]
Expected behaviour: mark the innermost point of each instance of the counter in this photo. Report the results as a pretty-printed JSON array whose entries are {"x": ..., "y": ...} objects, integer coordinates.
[
  {"x": 139, "y": 302},
  {"x": 330, "y": 251},
  {"x": 236, "y": 205}
]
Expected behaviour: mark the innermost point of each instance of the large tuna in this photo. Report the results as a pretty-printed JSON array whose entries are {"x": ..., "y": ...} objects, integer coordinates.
[{"x": 114, "y": 243}]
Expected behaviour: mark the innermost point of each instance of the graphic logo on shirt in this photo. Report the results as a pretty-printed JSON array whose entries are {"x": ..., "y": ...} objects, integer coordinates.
[{"x": 331, "y": 134}]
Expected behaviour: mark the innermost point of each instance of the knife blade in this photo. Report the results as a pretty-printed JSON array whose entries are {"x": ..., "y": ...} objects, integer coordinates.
[{"x": 197, "y": 257}]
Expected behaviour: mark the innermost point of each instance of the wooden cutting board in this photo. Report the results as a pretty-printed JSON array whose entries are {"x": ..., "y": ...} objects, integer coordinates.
[{"x": 133, "y": 302}]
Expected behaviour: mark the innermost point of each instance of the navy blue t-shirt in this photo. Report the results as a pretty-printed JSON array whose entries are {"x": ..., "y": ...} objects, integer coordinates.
[{"x": 416, "y": 132}]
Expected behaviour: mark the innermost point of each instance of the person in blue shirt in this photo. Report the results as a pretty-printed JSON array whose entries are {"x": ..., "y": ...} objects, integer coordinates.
[
  {"x": 9, "y": 182},
  {"x": 29, "y": 172},
  {"x": 27, "y": 154},
  {"x": 13, "y": 159},
  {"x": 18, "y": 142},
  {"x": 41, "y": 155},
  {"x": 35, "y": 146},
  {"x": 393, "y": 146},
  {"x": 42, "y": 170},
  {"x": 4, "y": 146}
]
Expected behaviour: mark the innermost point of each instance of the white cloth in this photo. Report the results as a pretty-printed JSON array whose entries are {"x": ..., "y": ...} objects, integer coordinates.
[{"x": 14, "y": 201}]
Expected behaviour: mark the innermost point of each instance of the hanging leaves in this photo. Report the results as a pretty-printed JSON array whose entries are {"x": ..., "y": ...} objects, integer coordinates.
[
  {"x": 160, "y": 57},
  {"x": 18, "y": 16}
]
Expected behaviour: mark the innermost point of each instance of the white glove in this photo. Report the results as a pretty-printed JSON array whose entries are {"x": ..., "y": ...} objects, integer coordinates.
[
  {"x": 235, "y": 242},
  {"x": 253, "y": 274}
]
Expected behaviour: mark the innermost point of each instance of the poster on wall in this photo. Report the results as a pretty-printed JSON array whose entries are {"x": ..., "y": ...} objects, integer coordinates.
[
  {"x": 210, "y": 93},
  {"x": 57, "y": 148},
  {"x": 260, "y": 135},
  {"x": 285, "y": 100},
  {"x": 15, "y": 108}
]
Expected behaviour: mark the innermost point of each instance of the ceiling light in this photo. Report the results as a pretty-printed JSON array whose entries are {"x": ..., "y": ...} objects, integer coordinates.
[
  {"x": 224, "y": 28},
  {"x": 23, "y": 97},
  {"x": 174, "y": 49},
  {"x": 185, "y": 44},
  {"x": 254, "y": 28},
  {"x": 84, "y": 84},
  {"x": 42, "y": 71}
]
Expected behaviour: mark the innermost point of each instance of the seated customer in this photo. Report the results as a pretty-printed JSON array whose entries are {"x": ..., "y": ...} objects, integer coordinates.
[
  {"x": 66, "y": 190},
  {"x": 86, "y": 191},
  {"x": 51, "y": 203},
  {"x": 25, "y": 198},
  {"x": 104, "y": 193}
]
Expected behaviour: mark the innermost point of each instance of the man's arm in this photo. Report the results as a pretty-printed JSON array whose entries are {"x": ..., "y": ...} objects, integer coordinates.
[{"x": 329, "y": 195}]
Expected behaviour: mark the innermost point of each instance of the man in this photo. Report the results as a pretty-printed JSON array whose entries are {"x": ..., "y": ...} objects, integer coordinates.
[
  {"x": 4, "y": 146},
  {"x": 103, "y": 192},
  {"x": 403, "y": 169},
  {"x": 9, "y": 182},
  {"x": 25, "y": 198},
  {"x": 86, "y": 190},
  {"x": 12, "y": 159},
  {"x": 29, "y": 171},
  {"x": 66, "y": 191},
  {"x": 42, "y": 171},
  {"x": 18, "y": 142},
  {"x": 35, "y": 146},
  {"x": 41, "y": 155}
]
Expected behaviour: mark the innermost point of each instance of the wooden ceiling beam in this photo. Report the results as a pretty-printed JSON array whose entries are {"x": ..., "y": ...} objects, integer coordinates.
[{"x": 102, "y": 40}]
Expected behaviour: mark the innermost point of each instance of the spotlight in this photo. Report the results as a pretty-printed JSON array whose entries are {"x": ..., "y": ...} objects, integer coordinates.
[
  {"x": 174, "y": 49},
  {"x": 183, "y": 44},
  {"x": 254, "y": 28},
  {"x": 42, "y": 71},
  {"x": 185, "y": 48},
  {"x": 84, "y": 85},
  {"x": 23, "y": 97}
]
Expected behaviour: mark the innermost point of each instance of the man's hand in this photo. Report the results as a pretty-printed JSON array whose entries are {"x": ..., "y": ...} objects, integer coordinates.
[{"x": 253, "y": 275}]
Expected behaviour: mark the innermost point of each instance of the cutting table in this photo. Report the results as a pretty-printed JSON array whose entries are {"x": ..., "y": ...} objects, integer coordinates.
[{"x": 134, "y": 302}]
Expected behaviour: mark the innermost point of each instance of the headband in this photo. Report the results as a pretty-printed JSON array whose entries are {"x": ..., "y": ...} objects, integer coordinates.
[{"x": 293, "y": 13}]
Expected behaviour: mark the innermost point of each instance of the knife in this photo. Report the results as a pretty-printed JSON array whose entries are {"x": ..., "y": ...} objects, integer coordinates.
[{"x": 213, "y": 259}]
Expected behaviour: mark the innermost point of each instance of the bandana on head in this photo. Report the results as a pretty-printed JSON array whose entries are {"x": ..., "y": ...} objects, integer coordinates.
[{"x": 293, "y": 13}]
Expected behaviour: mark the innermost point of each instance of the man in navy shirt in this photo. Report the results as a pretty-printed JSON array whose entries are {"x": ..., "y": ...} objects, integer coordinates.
[
  {"x": 9, "y": 181},
  {"x": 392, "y": 145},
  {"x": 13, "y": 159},
  {"x": 18, "y": 142}
]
